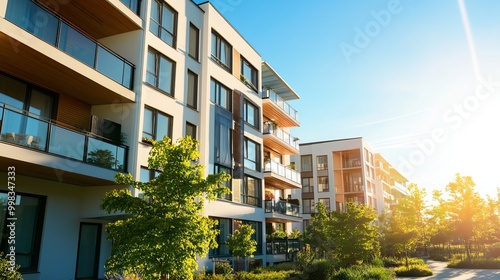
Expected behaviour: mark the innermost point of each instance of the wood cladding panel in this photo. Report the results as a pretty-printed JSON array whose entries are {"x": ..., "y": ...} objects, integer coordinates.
[{"x": 73, "y": 112}]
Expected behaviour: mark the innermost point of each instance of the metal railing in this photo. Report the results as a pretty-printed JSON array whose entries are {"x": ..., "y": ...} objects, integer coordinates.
[
  {"x": 282, "y": 171},
  {"x": 273, "y": 96},
  {"x": 281, "y": 134},
  {"x": 282, "y": 207},
  {"x": 24, "y": 129}
]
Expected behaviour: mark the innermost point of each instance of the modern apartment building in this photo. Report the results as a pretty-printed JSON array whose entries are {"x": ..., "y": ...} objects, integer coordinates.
[
  {"x": 346, "y": 170},
  {"x": 85, "y": 83}
]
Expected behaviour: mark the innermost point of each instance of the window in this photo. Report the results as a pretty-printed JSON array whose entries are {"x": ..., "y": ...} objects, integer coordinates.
[
  {"x": 307, "y": 185},
  {"x": 322, "y": 162},
  {"x": 249, "y": 74},
  {"x": 224, "y": 227},
  {"x": 251, "y": 191},
  {"x": 29, "y": 213},
  {"x": 222, "y": 51},
  {"x": 257, "y": 235},
  {"x": 252, "y": 155},
  {"x": 192, "y": 90},
  {"x": 160, "y": 72},
  {"x": 163, "y": 22},
  {"x": 251, "y": 114},
  {"x": 305, "y": 224},
  {"x": 323, "y": 184},
  {"x": 156, "y": 124},
  {"x": 147, "y": 175},
  {"x": 227, "y": 184},
  {"x": 194, "y": 42},
  {"x": 133, "y": 5},
  {"x": 220, "y": 95},
  {"x": 222, "y": 137},
  {"x": 191, "y": 130},
  {"x": 307, "y": 206},
  {"x": 306, "y": 163},
  {"x": 326, "y": 202},
  {"x": 353, "y": 182}
]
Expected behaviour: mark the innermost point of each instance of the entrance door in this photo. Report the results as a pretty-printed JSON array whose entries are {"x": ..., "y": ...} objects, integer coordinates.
[{"x": 89, "y": 244}]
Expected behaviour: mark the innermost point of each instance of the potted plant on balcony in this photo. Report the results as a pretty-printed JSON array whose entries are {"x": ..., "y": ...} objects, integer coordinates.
[{"x": 269, "y": 195}]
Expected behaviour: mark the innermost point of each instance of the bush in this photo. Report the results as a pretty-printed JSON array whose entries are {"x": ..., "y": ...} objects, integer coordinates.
[
  {"x": 223, "y": 268},
  {"x": 282, "y": 267},
  {"x": 483, "y": 263},
  {"x": 413, "y": 270},
  {"x": 5, "y": 272},
  {"x": 264, "y": 275},
  {"x": 320, "y": 269},
  {"x": 362, "y": 272},
  {"x": 208, "y": 276}
]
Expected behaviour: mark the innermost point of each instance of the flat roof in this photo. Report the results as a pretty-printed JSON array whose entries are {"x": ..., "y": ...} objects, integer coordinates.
[{"x": 329, "y": 141}]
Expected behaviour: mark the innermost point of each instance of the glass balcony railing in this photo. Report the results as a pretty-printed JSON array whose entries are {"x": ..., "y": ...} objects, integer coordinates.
[
  {"x": 269, "y": 94},
  {"x": 21, "y": 128},
  {"x": 282, "y": 207},
  {"x": 133, "y": 5},
  {"x": 281, "y": 134},
  {"x": 50, "y": 28},
  {"x": 282, "y": 171},
  {"x": 290, "y": 247}
]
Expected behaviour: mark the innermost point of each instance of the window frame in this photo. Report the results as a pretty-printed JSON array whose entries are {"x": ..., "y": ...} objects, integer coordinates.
[
  {"x": 156, "y": 74},
  {"x": 253, "y": 80},
  {"x": 195, "y": 129},
  {"x": 154, "y": 121},
  {"x": 247, "y": 103},
  {"x": 37, "y": 232},
  {"x": 194, "y": 94},
  {"x": 246, "y": 158},
  {"x": 328, "y": 207},
  {"x": 221, "y": 240},
  {"x": 320, "y": 187},
  {"x": 302, "y": 169},
  {"x": 161, "y": 28},
  {"x": 192, "y": 28},
  {"x": 324, "y": 164},
  {"x": 215, "y": 97},
  {"x": 216, "y": 54},
  {"x": 311, "y": 207},
  {"x": 310, "y": 187},
  {"x": 244, "y": 195}
]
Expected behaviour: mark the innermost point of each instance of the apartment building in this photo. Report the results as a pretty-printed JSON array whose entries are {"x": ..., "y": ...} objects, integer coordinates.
[
  {"x": 346, "y": 170},
  {"x": 85, "y": 83}
]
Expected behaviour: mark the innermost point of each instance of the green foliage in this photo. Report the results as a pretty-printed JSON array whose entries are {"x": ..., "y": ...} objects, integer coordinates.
[
  {"x": 103, "y": 158},
  {"x": 414, "y": 270},
  {"x": 278, "y": 233},
  {"x": 264, "y": 275},
  {"x": 162, "y": 237},
  {"x": 5, "y": 269},
  {"x": 320, "y": 269},
  {"x": 295, "y": 234},
  {"x": 482, "y": 263},
  {"x": 223, "y": 268},
  {"x": 317, "y": 234},
  {"x": 363, "y": 272},
  {"x": 241, "y": 243},
  {"x": 305, "y": 257}
]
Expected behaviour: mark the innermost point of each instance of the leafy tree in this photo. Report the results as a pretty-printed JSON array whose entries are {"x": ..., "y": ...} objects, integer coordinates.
[
  {"x": 355, "y": 234},
  {"x": 317, "y": 234},
  {"x": 241, "y": 243},
  {"x": 163, "y": 235}
]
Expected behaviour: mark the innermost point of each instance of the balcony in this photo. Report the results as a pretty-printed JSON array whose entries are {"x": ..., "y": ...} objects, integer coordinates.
[
  {"x": 282, "y": 250},
  {"x": 274, "y": 107},
  {"x": 281, "y": 177},
  {"x": 279, "y": 140},
  {"x": 388, "y": 196},
  {"x": 38, "y": 138},
  {"x": 400, "y": 188},
  {"x": 59, "y": 57},
  {"x": 281, "y": 211}
]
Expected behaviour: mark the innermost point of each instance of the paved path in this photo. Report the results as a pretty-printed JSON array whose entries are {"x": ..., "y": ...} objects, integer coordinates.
[{"x": 442, "y": 272}]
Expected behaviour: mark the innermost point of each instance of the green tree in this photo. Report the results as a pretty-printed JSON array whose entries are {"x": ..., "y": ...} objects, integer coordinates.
[
  {"x": 354, "y": 234},
  {"x": 163, "y": 235},
  {"x": 241, "y": 243},
  {"x": 317, "y": 234}
]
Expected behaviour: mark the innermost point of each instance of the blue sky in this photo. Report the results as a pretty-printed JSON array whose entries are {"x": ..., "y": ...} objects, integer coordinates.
[{"x": 398, "y": 73}]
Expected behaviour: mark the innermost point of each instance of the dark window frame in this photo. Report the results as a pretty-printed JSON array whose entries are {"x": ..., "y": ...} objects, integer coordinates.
[
  {"x": 328, "y": 207},
  {"x": 195, "y": 130},
  {"x": 327, "y": 189},
  {"x": 257, "y": 160},
  {"x": 256, "y": 117},
  {"x": 216, "y": 54},
  {"x": 252, "y": 81},
  {"x": 192, "y": 28},
  {"x": 154, "y": 134},
  {"x": 221, "y": 168},
  {"x": 215, "y": 97},
  {"x": 310, "y": 209},
  {"x": 257, "y": 196},
  {"x": 221, "y": 240},
  {"x": 302, "y": 169},
  {"x": 161, "y": 28},
  {"x": 310, "y": 187},
  {"x": 157, "y": 60},
  {"x": 195, "y": 91}
]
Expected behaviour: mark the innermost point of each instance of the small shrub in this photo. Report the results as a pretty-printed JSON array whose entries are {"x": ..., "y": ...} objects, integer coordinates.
[
  {"x": 208, "y": 276},
  {"x": 282, "y": 267},
  {"x": 413, "y": 270},
  {"x": 391, "y": 262},
  {"x": 377, "y": 262},
  {"x": 223, "y": 268},
  {"x": 369, "y": 272},
  {"x": 483, "y": 263},
  {"x": 320, "y": 269},
  {"x": 5, "y": 269},
  {"x": 264, "y": 275},
  {"x": 305, "y": 257}
]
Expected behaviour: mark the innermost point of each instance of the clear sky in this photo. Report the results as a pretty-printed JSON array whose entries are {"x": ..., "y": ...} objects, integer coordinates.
[{"x": 402, "y": 74}]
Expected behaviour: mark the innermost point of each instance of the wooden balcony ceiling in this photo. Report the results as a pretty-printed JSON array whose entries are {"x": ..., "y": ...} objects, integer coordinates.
[
  {"x": 274, "y": 143},
  {"x": 274, "y": 112},
  {"x": 26, "y": 63},
  {"x": 98, "y": 18}
]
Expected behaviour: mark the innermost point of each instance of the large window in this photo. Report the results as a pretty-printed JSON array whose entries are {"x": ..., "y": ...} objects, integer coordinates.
[
  {"x": 307, "y": 185},
  {"x": 251, "y": 114},
  {"x": 160, "y": 72},
  {"x": 194, "y": 42},
  {"x": 251, "y": 191},
  {"x": 322, "y": 162},
  {"x": 252, "y": 155},
  {"x": 225, "y": 229},
  {"x": 220, "y": 94},
  {"x": 156, "y": 124},
  {"x": 306, "y": 163},
  {"x": 222, "y": 51},
  {"x": 192, "y": 90},
  {"x": 249, "y": 74},
  {"x": 307, "y": 206},
  {"x": 163, "y": 22},
  {"x": 222, "y": 138},
  {"x": 323, "y": 184},
  {"x": 29, "y": 213},
  {"x": 190, "y": 130},
  {"x": 326, "y": 202},
  {"x": 227, "y": 184}
]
